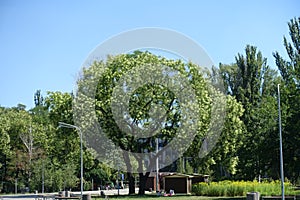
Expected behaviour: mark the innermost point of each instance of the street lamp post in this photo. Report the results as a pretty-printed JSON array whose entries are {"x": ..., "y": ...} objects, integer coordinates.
[
  {"x": 65, "y": 125},
  {"x": 280, "y": 147},
  {"x": 157, "y": 167}
]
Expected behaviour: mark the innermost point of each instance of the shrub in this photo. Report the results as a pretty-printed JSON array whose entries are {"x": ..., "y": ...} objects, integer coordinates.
[{"x": 240, "y": 188}]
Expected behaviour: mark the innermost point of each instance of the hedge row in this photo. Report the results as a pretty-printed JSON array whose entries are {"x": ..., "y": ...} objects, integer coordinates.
[{"x": 240, "y": 188}]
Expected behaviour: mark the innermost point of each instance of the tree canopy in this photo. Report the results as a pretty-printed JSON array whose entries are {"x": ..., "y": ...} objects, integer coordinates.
[
  {"x": 128, "y": 104},
  {"x": 157, "y": 110},
  {"x": 290, "y": 73}
]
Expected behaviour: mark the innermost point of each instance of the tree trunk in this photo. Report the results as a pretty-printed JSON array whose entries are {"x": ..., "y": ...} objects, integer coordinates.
[
  {"x": 129, "y": 174},
  {"x": 143, "y": 180},
  {"x": 28, "y": 139},
  {"x": 131, "y": 183}
]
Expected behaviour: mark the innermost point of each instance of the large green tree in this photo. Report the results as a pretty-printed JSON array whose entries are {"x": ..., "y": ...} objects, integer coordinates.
[
  {"x": 32, "y": 145},
  {"x": 223, "y": 160},
  {"x": 253, "y": 84},
  {"x": 5, "y": 148},
  {"x": 141, "y": 102},
  {"x": 290, "y": 91},
  {"x": 26, "y": 139},
  {"x": 36, "y": 154}
]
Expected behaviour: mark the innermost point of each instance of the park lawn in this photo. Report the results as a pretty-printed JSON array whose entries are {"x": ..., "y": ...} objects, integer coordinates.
[{"x": 176, "y": 197}]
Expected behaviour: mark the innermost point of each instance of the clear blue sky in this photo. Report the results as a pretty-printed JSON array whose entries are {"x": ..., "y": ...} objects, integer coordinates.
[{"x": 43, "y": 43}]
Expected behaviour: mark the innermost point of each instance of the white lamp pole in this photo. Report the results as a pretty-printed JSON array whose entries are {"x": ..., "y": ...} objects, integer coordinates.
[
  {"x": 280, "y": 140},
  {"x": 65, "y": 125},
  {"x": 157, "y": 167}
]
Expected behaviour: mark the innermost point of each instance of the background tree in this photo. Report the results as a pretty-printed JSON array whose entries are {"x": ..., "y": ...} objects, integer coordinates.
[
  {"x": 251, "y": 81},
  {"x": 290, "y": 89},
  {"x": 5, "y": 148},
  {"x": 35, "y": 141},
  {"x": 223, "y": 159},
  {"x": 64, "y": 146}
]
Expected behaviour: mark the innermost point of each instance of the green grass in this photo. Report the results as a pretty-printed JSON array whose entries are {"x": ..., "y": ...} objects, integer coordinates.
[{"x": 176, "y": 197}]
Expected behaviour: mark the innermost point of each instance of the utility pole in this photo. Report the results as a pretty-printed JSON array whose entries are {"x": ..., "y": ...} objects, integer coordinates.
[
  {"x": 43, "y": 177},
  {"x": 280, "y": 141},
  {"x": 118, "y": 185},
  {"x": 16, "y": 185},
  {"x": 157, "y": 180}
]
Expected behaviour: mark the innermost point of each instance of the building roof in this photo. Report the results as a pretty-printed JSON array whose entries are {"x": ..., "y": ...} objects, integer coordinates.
[{"x": 177, "y": 175}]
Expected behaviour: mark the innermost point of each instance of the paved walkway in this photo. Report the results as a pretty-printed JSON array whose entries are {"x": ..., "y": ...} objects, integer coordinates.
[{"x": 35, "y": 196}]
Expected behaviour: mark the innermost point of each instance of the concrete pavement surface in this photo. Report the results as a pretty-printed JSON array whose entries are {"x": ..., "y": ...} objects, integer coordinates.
[{"x": 52, "y": 195}]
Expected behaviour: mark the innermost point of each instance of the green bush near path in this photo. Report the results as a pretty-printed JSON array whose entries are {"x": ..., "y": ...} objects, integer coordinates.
[{"x": 240, "y": 188}]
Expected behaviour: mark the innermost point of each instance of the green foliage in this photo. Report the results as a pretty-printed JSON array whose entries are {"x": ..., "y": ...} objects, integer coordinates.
[
  {"x": 240, "y": 188},
  {"x": 143, "y": 99},
  {"x": 59, "y": 106},
  {"x": 290, "y": 69},
  {"x": 179, "y": 164},
  {"x": 290, "y": 98},
  {"x": 32, "y": 146},
  {"x": 184, "y": 166},
  {"x": 101, "y": 173},
  {"x": 4, "y": 135},
  {"x": 31, "y": 143},
  {"x": 251, "y": 81},
  {"x": 55, "y": 178},
  {"x": 224, "y": 154},
  {"x": 188, "y": 168}
]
